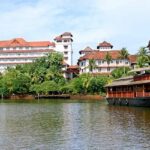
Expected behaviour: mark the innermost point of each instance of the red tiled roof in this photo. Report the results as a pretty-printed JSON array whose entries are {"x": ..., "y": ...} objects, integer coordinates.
[
  {"x": 104, "y": 44},
  {"x": 41, "y": 43},
  {"x": 73, "y": 67},
  {"x": 87, "y": 49},
  {"x": 61, "y": 37},
  {"x": 100, "y": 55},
  {"x": 21, "y": 42},
  {"x": 58, "y": 38},
  {"x": 133, "y": 58}
]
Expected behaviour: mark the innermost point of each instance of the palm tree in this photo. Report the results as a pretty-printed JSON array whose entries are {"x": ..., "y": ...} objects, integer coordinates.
[
  {"x": 124, "y": 54},
  {"x": 143, "y": 57},
  {"x": 92, "y": 65},
  {"x": 108, "y": 58}
]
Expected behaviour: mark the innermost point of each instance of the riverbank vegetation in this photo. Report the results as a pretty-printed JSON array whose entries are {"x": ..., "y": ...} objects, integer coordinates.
[{"x": 45, "y": 76}]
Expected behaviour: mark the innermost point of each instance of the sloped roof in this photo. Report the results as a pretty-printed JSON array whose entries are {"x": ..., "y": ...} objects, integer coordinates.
[
  {"x": 133, "y": 58},
  {"x": 100, "y": 55},
  {"x": 104, "y": 44},
  {"x": 87, "y": 49},
  {"x": 67, "y": 34},
  {"x": 126, "y": 83},
  {"x": 21, "y": 42},
  {"x": 140, "y": 69},
  {"x": 61, "y": 37},
  {"x": 73, "y": 67}
]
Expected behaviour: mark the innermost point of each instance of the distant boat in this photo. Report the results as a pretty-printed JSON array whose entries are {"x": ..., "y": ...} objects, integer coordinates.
[{"x": 131, "y": 90}]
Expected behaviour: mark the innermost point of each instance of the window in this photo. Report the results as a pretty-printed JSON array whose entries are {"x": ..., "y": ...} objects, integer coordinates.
[
  {"x": 14, "y": 48},
  {"x": 65, "y": 46},
  {"x": 108, "y": 69},
  {"x": 117, "y": 61},
  {"x": 103, "y": 61},
  {"x": 120, "y": 61},
  {"x": 99, "y": 62},
  {"x": 65, "y": 40},
  {"x": 65, "y": 53},
  {"x": 20, "y": 47},
  {"x": 7, "y": 48},
  {"x": 99, "y": 69},
  {"x": 82, "y": 63},
  {"x": 112, "y": 61},
  {"x": 126, "y": 62},
  {"x": 1, "y": 48}
]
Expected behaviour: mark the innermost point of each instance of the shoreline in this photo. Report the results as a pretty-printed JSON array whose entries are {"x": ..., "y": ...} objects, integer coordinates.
[{"x": 63, "y": 96}]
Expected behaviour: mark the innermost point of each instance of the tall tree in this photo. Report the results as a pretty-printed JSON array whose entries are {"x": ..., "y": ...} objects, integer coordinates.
[
  {"x": 108, "y": 58},
  {"x": 124, "y": 54},
  {"x": 143, "y": 57},
  {"x": 92, "y": 65}
]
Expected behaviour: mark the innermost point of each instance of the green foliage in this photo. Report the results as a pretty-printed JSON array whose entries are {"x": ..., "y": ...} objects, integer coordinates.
[
  {"x": 108, "y": 58},
  {"x": 86, "y": 83},
  {"x": 92, "y": 65},
  {"x": 123, "y": 54},
  {"x": 120, "y": 72},
  {"x": 143, "y": 58},
  {"x": 42, "y": 76},
  {"x": 15, "y": 81}
]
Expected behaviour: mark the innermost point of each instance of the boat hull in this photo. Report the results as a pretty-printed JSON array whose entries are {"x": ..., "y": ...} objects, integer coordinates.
[{"x": 141, "y": 102}]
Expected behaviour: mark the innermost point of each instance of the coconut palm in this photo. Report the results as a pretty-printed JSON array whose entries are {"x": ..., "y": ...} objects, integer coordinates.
[
  {"x": 108, "y": 58},
  {"x": 92, "y": 65},
  {"x": 143, "y": 57},
  {"x": 124, "y": 54}
]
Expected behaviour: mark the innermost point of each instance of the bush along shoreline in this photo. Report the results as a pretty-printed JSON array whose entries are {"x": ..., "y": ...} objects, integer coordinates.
[{"x": 45, "y": 77}]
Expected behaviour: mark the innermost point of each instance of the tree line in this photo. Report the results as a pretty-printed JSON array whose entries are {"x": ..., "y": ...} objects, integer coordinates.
[{"x": 45, "y": 76}]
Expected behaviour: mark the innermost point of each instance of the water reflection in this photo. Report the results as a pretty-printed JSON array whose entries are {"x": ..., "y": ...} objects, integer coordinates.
[{"x": 73, "y": 125}]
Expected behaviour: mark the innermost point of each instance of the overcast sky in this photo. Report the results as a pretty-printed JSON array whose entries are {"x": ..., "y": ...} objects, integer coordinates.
[{"x": 124, "y": 23}]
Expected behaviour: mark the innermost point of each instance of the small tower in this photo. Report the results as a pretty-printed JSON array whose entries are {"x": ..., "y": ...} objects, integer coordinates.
[
  {"x": 104, "y": 46},
  {"x": 63, "y": 43},
  {"x": 85, "y": 51}
]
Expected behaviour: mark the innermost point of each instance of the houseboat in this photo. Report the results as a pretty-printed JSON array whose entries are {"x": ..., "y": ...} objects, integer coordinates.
[{"x": 132, "y": 90}]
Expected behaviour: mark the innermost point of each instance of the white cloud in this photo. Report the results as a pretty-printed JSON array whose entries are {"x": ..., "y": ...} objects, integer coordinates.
[{"x": 125, "y": 23}]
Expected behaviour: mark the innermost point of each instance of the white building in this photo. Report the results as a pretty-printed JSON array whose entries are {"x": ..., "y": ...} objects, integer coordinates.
[
  {"x": 63, "y": 44},
  {"x": 101, "y": 65},
  {"x": 20, "y": 51}
]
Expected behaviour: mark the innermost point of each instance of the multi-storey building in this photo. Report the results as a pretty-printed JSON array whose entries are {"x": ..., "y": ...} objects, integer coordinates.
[
  {"x": 63, "y": 44},
  {"x": 20, "y": 51},
  {"x": 101, "y": 65}
]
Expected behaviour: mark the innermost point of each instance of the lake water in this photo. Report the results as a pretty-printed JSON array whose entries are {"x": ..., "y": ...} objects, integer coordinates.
[{"x": 73, "y": 125}]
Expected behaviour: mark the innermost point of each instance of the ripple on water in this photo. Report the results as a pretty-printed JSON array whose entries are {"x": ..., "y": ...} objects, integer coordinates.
[{"x": 73, "y": 125}]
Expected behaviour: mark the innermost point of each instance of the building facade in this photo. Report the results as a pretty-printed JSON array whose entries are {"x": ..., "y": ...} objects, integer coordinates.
[
  {"x": 102, "y": 66},
  {"x": 63, "y": 43},
  {"x": 20, "y": 51}
]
